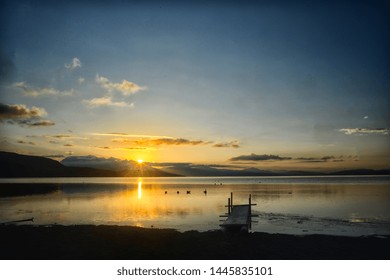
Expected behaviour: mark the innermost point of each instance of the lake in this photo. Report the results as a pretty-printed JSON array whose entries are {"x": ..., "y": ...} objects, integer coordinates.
[{"x": 338, "y": 205}]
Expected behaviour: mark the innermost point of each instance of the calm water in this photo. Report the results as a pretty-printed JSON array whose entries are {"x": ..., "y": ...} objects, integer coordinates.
[{"x": 343, "y": 205}]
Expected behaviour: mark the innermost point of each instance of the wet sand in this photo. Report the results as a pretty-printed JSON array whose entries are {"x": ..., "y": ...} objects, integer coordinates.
[{"x": 125, "y": 242}]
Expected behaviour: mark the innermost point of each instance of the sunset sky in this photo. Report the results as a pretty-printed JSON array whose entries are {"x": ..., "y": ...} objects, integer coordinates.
[{"x": 273, "y": 85}]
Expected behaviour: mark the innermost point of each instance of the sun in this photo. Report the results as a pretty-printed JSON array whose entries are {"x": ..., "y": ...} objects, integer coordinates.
[{"x": 140, "y": 161}]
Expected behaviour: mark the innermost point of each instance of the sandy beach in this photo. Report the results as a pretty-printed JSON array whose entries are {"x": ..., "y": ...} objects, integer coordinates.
[{"x": 126, "y": 242}]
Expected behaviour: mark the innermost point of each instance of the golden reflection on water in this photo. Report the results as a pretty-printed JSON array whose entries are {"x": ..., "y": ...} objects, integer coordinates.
[
  {"x": 186, "y": 206},
  {"x": 150, "y": 204},
  {"x": 139, "y": 188}
]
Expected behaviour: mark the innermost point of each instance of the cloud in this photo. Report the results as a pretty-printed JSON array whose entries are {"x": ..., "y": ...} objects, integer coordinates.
[
  {"x": 75, "y": 63},
  {"x": 325, "y": 159},
  {"x": 38, "y": 92},
  {"x": 232, "y": 144},
  {"x": 81, "y": 80},
  {"x": 106, "y": 101},
  {"x": 22, "y": 115},
  {"x": 365, "y": 131},
  {"x": 126, "y": 88},
  {"x": 254, "y": 157},
  {"x": 152, "y": 140},
  {"x": 20, "y": 111},
  {"x": 25, "y": 143},
  {"x": 169, "y": 141},
  {"x": 38, "y": 123},
  {"x": 126, "y": 135},
  {"x": 60, "y": 136}
]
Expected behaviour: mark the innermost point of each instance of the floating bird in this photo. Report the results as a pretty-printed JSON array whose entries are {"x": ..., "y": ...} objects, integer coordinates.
[
  {"x": 177, "y": 192},
  {"x": 205, "y": 191},
  {"x": 188, "y": 192},
  {"x": 166, "y": 192}
]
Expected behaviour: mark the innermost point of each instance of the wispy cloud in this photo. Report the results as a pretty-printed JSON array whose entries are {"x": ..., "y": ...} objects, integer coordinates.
[
  {"x": 321, "y": 159},
  {"x": 126, "y": 135},
  {"x": 38, "y": 92},
  {"x": 122, "y": 149},
  {"x": 169, "y": 141},
  {"x": 31, "y": 123},
  {"x": 254, "y": 157},
  {"x": 126, "y": 87},
  {"x": 25, "y": 142},
  {"x": 22, "y": 115},
  {"x": 159, "y": 140},
  {"x": 60, "y": 136},
  {"x": 106, "y": 101},
  {"x": 75, "y": 63},
  {"x": 365, "y": 131},
  {"x": 231, "y": 144}
]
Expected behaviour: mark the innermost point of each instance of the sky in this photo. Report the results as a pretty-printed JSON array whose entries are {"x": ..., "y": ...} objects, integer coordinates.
[{"x": 267, "y": 84}]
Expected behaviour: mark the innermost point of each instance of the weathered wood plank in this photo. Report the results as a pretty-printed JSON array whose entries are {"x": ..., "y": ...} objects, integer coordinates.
[{"x": 238, "y": 216}]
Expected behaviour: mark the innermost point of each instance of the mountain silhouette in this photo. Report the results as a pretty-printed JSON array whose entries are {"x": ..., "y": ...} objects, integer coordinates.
[{"x": 16, "y": 165}]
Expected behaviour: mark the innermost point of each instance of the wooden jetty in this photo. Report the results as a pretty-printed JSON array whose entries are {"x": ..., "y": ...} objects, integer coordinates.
[{"x": 239, "y": 217}]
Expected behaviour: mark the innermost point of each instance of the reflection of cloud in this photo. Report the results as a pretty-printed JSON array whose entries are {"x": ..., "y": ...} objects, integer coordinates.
[
  {"x": 126, "y": 87},
  {"x": 254, "y": 157},
  {"x": 365, "y": 131},
  {"x": 38, "y": 92},
  {"x": 75, "y": 63},
  {"x": 22, "y": 115},
  {"x": 106, "y": 101}
]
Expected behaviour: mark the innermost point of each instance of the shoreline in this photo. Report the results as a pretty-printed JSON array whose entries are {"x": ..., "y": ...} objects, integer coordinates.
[{"x": 111, "y": 242}]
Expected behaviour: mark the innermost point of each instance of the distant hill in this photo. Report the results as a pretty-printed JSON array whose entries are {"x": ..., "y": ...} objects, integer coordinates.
[
  {"x": 206, "y": 170},
  {"x": 362, "y": 172},
  {"x": 14, "y": 165}
]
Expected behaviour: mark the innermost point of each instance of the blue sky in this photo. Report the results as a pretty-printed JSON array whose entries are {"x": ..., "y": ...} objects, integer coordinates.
[{"x": 201, "y": 82}]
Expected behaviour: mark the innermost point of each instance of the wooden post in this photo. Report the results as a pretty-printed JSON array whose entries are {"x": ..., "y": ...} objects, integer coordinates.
[
  {"x": 250, "y": 211},
  {"x": 231, "y": 201},
  {"x": 228, "y": 206}
]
